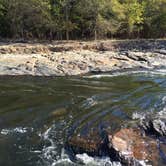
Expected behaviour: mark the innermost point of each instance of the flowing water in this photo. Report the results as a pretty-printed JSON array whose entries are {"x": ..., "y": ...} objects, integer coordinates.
[{"x": 37, "y": 115}]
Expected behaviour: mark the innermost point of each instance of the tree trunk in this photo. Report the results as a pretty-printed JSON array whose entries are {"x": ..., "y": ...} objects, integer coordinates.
[
  {"x": 95, "y": 34},
  {"x": 67, "y": 21},
  {"x": 67, "y": 34}
]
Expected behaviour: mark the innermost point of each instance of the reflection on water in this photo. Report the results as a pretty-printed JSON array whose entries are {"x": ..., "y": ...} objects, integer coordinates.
[{"x": 37, "y": 115}]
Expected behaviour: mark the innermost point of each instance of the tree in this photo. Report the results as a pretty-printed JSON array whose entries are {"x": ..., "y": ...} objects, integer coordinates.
[
  {"x": 4, "y": 22},
  {"x": 155, "y": 18},
  {"x": 129, "y": 13},
  {"x": 134, "y": 14},
  {"x": 28, "y": 18},
  {"x": 93, "y": 17},
  {"x": 82, "y": 19},
  {"x": 62, "y": 11}
]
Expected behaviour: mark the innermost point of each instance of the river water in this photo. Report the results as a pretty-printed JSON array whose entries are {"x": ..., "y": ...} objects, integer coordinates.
[{"x": 38, "y": 114}]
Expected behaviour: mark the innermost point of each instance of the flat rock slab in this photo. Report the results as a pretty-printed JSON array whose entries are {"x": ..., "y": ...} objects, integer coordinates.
[{"x": 79, "y": 58}]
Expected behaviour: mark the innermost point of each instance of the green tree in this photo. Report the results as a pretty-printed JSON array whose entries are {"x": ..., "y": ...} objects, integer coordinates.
[
  {"x": 155, "y": 18},
  {"x": 62, "y": 12},
  {"x": 82, "y": 19},
  {"x": 127, "y": 16},
  {"x": 28, "y": 18},
  {"x": 93, "y": 17},
  {"x": 4, "y": 22},
  {"x": 134, "y": 14}
]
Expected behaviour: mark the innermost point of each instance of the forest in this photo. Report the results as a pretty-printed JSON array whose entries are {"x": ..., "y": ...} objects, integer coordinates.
[{"x": 82, "y": 19}]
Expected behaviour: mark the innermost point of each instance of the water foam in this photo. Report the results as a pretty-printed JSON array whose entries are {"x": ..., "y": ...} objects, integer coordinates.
[
  {"x": 50, "y": 151},
  {"x": 20, "y": 130},
  {"x": 121, "y": 73},
  {"x": 92, "y": 161}
]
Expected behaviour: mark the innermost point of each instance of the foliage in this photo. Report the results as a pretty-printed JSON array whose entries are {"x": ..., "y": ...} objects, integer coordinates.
[{"x": 82, "y": 19}]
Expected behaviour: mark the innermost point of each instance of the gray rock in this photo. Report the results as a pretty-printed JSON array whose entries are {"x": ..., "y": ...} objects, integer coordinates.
[{"x": 161, "y": 51}]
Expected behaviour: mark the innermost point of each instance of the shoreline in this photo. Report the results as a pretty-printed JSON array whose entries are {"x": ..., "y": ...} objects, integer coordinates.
[{"x": 80, "y": 58}]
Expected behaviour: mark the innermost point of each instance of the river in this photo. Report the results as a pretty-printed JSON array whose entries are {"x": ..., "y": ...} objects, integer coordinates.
[{"x": 38, "y": 114}]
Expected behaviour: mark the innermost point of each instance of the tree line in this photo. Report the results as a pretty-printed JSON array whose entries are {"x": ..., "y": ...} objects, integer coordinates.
[{"x": 82, "y": 19}]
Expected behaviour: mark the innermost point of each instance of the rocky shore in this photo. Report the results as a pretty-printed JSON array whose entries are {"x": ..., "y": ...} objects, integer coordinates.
[{"x": 78, "y": 58}]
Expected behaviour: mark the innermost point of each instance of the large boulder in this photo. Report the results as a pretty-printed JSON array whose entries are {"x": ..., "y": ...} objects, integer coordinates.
[{"x": 134, "y": 148}]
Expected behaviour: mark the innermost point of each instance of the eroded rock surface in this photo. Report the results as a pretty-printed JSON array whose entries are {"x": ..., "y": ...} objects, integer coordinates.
[{"x": 77, "y": 58}]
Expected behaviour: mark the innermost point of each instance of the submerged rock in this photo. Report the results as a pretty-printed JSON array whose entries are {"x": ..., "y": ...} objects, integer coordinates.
[
  {"x": 134, "y": 148},
  {"x": 93, "y": 145},
  {"x": 85, "y": 144}
]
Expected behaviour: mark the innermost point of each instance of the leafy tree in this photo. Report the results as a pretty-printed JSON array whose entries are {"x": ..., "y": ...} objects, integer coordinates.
[
  {"x": 62, "y": 12},
  {"x": 28, "y": 18},
  {"x": 93, "y": 17},
  {"x": 134, "y": 14},
  {"x": 155, "y": 18},
  {"x": 4, "y": 22},
  {"x": 82, "y": 19}
]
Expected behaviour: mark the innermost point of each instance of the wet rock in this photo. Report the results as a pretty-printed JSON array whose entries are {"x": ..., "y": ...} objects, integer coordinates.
[
  {"x": 154, "y": 126},
  {"x": 92, "y": 144},
  {"x": 81, "y": 145},
  {"x": 132, "y": 147},
  {"x": 153, "y": 123},
  {"x": 159, "y": 126},
  {"x": 161, "y": 51}
]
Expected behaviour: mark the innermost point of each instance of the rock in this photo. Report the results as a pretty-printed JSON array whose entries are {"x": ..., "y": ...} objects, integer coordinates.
[
  {"x": 136, "y": 57},
  {"x": 78, "y": 58},
  {"x": 81, "y": 145},
  {"x": 92, "y": 144},
  {"x": 154, "y": 126},
  {"x": 102, "y": 47},
  {"x": 132, "y": 147},
  {"x": 82, "y": 66},
  {"x": 159, "y": 126},
  {"x": 154, "y": 123},
  {"x": 161, "y": 51}
]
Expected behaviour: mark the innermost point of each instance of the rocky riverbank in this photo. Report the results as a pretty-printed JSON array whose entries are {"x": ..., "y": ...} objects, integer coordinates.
[{"x": 78, "y": 58}]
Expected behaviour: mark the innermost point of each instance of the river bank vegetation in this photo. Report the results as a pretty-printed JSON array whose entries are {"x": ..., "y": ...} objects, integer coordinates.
[{"x": 82, "y": 19}]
